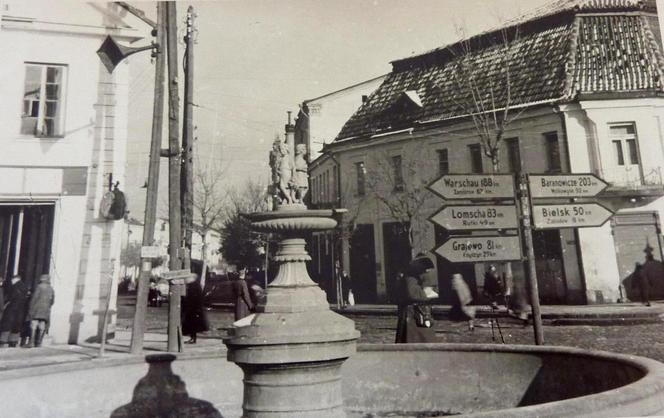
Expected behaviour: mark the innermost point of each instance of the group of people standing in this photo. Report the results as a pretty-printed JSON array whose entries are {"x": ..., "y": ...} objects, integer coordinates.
[
  {"x": 194, "y": 316},
  {"x": 24, "y": 313}
]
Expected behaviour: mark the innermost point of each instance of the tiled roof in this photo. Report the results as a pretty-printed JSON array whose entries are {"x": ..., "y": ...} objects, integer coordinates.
[{"x": 556, "y": 55}]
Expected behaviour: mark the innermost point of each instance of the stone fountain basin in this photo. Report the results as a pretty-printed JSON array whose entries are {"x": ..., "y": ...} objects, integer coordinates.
[{"x": 380, "y": 380}]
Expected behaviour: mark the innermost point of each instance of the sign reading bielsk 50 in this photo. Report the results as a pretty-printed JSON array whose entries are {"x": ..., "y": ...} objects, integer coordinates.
[{"x": 474, "y": 186}]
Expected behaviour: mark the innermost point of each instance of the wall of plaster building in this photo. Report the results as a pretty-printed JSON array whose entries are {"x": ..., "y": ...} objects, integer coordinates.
[
  {"x": 86, "y": 248},
  {"x": 591, "y": 150}
]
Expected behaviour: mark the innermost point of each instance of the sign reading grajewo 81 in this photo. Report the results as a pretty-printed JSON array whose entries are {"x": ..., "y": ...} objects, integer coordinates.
[
  {"x": 474, "y": 186},
  {"x": 479, "y": 249}
]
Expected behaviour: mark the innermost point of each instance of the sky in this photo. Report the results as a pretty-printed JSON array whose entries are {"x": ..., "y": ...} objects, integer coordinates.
[{"x": 257, "y": 59}]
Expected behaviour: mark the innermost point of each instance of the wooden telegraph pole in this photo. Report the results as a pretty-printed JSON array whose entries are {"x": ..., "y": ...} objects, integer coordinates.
[
  {"x": 187, "y": 171},
  {"x": 138, "y": 329},
  {"x": 533, "y": 290},
  {"x": 175, "y": 225}
]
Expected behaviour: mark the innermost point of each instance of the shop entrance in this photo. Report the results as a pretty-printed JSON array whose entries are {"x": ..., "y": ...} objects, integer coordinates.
[
  {"x": 549, "y": 265},
  {"x": 26, "y": 235}
]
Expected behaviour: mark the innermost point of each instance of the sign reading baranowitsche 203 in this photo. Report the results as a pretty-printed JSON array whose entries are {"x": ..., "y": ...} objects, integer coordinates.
[
  {"x": 474, "y": 186},
  {"x": 480, "y": 249},
  {"x": 476, "y": 217},
  {"x": 565, "y": 185},
  {"x": 575, "y": 215}
]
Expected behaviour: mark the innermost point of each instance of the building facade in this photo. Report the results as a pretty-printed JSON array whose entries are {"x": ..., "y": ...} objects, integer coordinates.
[
  {"x": 63, "y": 123},
  {"x": 574, "y": 88}
]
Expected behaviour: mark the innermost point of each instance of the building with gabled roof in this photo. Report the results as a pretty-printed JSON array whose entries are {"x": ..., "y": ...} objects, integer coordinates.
[{"x": 582, "y": 81}]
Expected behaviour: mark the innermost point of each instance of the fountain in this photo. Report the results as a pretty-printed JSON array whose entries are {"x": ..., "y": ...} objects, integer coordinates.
[{"x": 292, "y": 349}]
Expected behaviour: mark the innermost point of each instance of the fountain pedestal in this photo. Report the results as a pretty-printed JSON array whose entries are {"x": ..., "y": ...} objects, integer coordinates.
[{"x": 292, "y": 349}]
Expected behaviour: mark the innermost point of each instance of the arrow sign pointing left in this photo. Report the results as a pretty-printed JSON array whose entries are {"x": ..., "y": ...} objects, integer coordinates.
[
  {"x": 580, "y": 215},
  {"x": 476, "y": 217}
]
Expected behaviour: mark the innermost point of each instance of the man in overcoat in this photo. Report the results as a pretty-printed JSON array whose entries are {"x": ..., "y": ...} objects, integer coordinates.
[
  {"x": 14, "y": 313},
  {"x": 243, "y": 303},
  {"x": 39, "y": 311},
  {"x": 415, "y": 322}
]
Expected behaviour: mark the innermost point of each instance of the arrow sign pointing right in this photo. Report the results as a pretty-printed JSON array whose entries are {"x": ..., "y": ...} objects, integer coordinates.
[
  {"x": 565, "y": 185},
  {"x": 577, "y": 215}
]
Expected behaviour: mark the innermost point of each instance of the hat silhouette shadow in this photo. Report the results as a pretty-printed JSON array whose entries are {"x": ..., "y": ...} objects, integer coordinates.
[{"x": 161, "y": 393}]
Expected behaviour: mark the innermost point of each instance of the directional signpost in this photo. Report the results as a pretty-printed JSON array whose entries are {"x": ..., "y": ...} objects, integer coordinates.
[
  {"x": 481, "y": 249},
  {"x": 565, "y": 185},
  {"x": 474, "y": 186},
  {"x": 176, "y": 276},
  {"x": 580, "y": 215},
  {"x": 476, "y": 217}
]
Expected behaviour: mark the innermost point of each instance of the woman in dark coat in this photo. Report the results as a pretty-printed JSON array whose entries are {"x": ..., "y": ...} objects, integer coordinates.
[
  {"x": 412, "y": 301},
  {"x": 14, "y": 313},
  {"x": 243, "y": 303},
  {"x": 194, "y": 318}
]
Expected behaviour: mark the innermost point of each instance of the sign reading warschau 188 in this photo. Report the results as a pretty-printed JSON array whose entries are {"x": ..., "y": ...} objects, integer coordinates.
[
  {"x": 565, "y": 185},
  {"x": 577, "y": 215},
  {"x": 474, "y": 186},
  {"x": 476, "y": 217},
  {"x": 479, "y": 249}
]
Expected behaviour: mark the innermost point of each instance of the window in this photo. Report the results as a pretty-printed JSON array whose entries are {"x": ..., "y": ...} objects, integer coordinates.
[
  {"x": 443, "y": 162},
  {"x": 475, "y": 151},
  {"x": 625, "y": 146},
  {"x": 360, "y": 172},
  {"x": 397, "y": 173},
  {"x": 43, "y": 100},
  {"x": 513, "y": 155},
  {"x": 552, "y": 152}
]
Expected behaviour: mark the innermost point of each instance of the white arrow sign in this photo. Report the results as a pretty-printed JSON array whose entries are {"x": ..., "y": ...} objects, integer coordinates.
[
  {"x": 580, "y": 215},
  {"x": 476, "y": 217},
  {"x": 480, "y": 249},
  {"x": 565, "y": 185},
  {"x": 474, "y": 186},
  {"x": 176, "y": 274}
]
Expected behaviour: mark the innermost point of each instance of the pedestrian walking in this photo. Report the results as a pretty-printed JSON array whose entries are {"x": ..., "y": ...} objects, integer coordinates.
[
  {"x": 346, "y": 288},
  {"x": 494, "y": 288},
  {"x": 415, "y": 319},
  {"x": 461, "y": 298},
  {"x": 243, "y": 303},
  {"x": 2, "y": 296},
  {"x": 39, "y": 312},
  {"x": 14, "y": 313},
  {"x": 194, "y": 317}
]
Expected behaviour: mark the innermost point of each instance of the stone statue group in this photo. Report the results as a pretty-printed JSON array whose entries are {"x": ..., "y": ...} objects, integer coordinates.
[{"x": 290, "y": 180}]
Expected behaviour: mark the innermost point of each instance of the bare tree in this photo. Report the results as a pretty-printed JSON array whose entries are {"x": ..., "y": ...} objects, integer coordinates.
[
  {"x": 398, "y": 183},
  {"x": 209, "y": 201},
  {"x": 483, "y": 76}
]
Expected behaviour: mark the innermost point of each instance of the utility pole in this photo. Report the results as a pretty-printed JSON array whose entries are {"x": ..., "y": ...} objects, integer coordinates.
[
  {"x": 138, "y": 330},
  {"x": 175, "y": 225},
  {"x": 526, "y": 209},
  {"x": 187, "y": 170}
]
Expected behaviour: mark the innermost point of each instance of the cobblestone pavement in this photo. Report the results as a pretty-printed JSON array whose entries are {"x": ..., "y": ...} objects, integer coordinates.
[{"x": 643, "y": 340}]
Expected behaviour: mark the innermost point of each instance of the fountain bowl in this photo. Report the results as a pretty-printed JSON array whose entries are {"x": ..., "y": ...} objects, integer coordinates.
[{"x": 405, "y": 380}]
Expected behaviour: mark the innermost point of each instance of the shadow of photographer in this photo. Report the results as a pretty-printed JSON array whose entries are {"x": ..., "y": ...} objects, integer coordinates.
[{"x": 161, "y": 393}]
